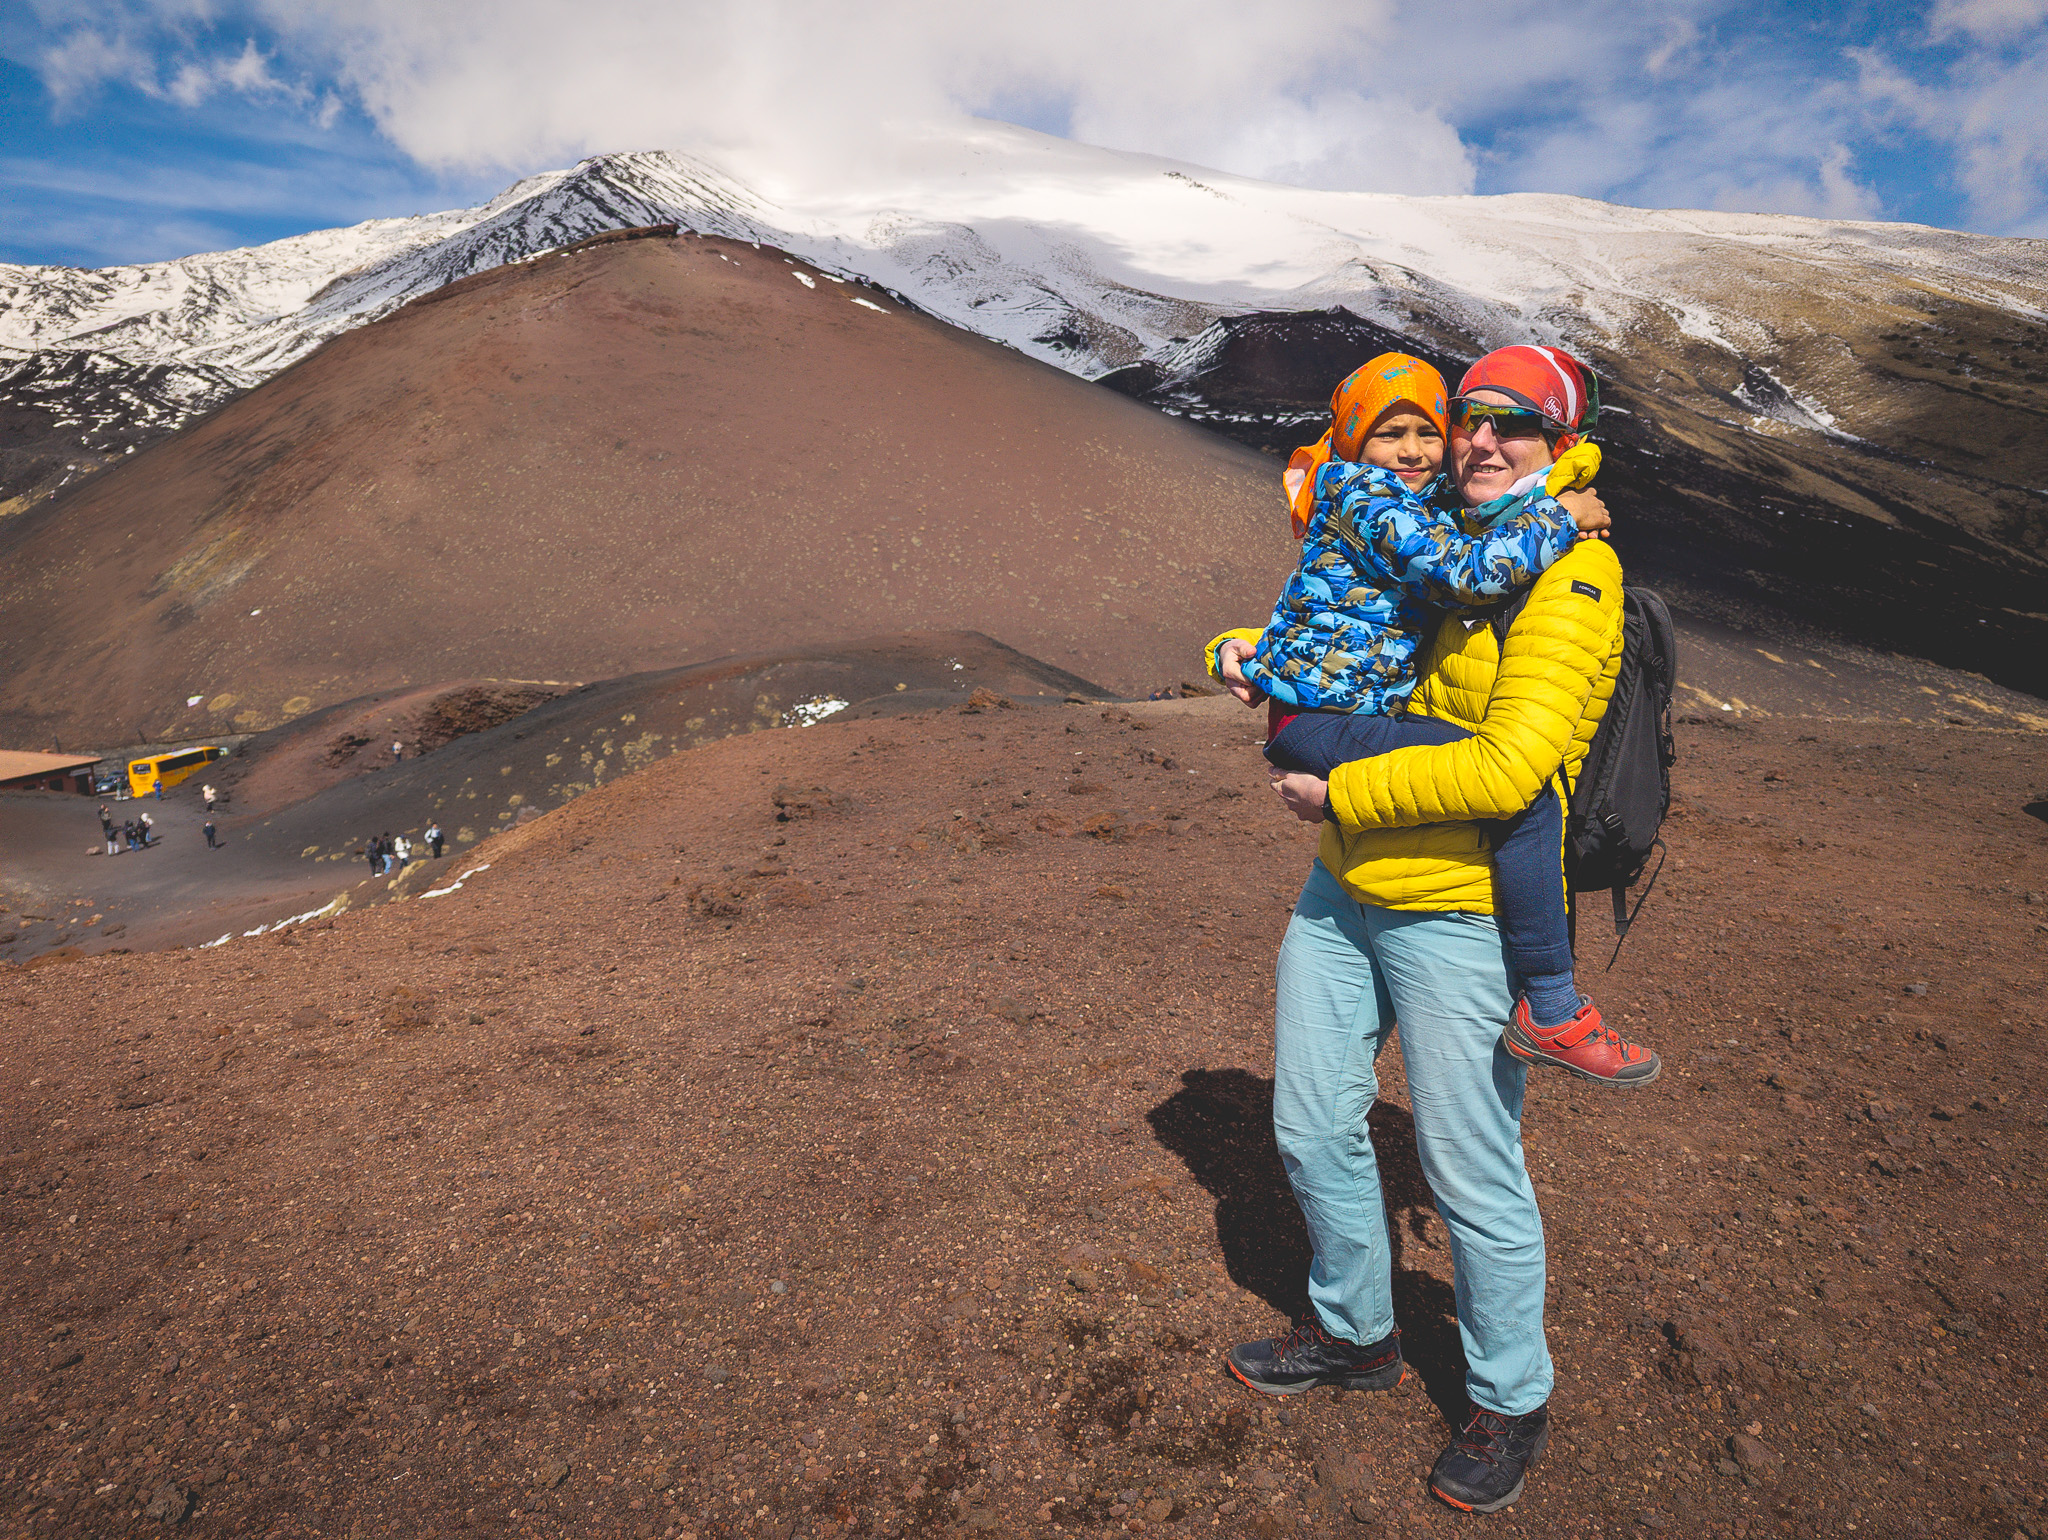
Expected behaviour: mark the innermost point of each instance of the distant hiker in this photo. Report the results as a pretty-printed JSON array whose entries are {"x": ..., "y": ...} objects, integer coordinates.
[
  {"x": 397, "y": 751},
  {"x": 106, "y": 818},
  {"x": 128, "y": 831},
  {"x": 211, "y": 842},
  {"x": 390, "y": 852},
  {"x": 209, "y": 794},
  {"x": 159, "y": 789},
  {"x": 144, "y": 827},
  {"x": 404, "y": 849},
  {"x": 433, "y": 839},
  {"x": 1397, "y": 923},
  {"x": 108, "y": 830},
  {"x": 375, "y": 855}
]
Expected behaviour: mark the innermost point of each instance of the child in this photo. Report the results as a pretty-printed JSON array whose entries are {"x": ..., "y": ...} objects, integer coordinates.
[{"x": 1384, "y": 543}]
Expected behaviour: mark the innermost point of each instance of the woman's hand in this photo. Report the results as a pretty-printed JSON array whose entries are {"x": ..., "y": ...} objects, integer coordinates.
[
  {"x": 1230, "y": 661},
  {"x": 1306, "y": 796},
  {"x": 1588, "y": 512}
]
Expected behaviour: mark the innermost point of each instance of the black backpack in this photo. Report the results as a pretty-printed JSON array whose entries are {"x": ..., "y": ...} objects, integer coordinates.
[{"x": 1623, "y": 788}]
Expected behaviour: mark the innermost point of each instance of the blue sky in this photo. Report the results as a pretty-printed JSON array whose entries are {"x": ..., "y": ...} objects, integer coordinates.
[{"x": 142, "y": 129}]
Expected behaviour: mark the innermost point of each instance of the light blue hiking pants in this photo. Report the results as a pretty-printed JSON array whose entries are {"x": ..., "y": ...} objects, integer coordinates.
[{"x": 1348, "y": 971}]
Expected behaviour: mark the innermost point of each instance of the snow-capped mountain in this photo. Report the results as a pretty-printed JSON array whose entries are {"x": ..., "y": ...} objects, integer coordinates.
[
  {"x": 1091, "y": 259},
  {"x": 1825, "y": 337}
]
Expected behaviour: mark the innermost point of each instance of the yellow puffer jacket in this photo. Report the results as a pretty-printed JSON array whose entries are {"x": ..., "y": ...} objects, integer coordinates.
[{"x": 1403, "y": 837}]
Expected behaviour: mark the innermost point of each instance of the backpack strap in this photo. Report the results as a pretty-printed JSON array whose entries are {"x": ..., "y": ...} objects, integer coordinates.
[
  {"x": 1624, "y": 916},
  {"x": 1503, "y": 614}
]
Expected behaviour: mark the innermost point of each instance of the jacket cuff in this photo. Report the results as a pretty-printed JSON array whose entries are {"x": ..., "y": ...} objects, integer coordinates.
[{"x": 1246, "y": 634}]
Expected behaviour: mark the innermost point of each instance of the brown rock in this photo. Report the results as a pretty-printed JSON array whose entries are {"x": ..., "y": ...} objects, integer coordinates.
[
  {"x": 793, "y": 802},
  {"x": 1340, "y": 1470},
  {"x": 169, "y": 1505},
  {"x": 1754, "y": 1458},
  {"x": 1703, "y": 1358}
]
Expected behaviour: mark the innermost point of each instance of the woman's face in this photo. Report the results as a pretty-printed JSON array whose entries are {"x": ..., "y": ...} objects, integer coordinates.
[
  {"x": 1485, "y": 465},
  {"x": 1406, "y": 443}
]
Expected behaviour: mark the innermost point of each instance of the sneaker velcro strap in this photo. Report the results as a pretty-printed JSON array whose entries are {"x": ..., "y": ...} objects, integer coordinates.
[{"x": 1573, "y": 1033}]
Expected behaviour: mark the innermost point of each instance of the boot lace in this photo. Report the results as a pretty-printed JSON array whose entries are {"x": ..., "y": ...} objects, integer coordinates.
[
  {"x": 1305, "y": 1334},
  {"x": 1483, "y": 1437}
]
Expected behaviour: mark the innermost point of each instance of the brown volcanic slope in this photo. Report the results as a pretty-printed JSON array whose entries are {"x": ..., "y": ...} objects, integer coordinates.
[
  {"x": 300, "y": 801},
  {"x": 637, "y": 455},
  {"x": 903, "y": 1167}
]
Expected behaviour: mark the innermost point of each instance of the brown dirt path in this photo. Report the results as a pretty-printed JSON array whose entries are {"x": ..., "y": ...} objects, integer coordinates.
[{"x": 735, "y": 1157}]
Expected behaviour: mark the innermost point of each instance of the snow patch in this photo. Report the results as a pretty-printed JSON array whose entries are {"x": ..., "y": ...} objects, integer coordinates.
[{"x": 813, "y": 711}]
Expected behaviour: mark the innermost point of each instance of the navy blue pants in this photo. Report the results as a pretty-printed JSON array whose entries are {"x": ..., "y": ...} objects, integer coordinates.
[{"x": 1528, "y": 868}]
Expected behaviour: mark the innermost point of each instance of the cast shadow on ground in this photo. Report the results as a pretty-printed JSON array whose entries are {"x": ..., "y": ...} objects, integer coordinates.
[{"x": 1220, "y": 1125}]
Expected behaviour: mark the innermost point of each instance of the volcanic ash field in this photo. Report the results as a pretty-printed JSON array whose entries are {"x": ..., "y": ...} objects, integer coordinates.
[{"x": 865, "y": 1130}]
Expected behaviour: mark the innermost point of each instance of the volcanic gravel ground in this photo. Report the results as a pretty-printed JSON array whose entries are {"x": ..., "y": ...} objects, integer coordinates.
[{"x": 865, "y": 1131}]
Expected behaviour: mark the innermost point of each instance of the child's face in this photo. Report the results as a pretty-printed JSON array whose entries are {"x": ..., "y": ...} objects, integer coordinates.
[{"x": 1406, "y": 443}]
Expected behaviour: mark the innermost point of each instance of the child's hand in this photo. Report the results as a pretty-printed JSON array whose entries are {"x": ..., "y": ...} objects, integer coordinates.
[
  {"x": 1305, "y": 795},
  {"x": 1588, "y": 512},
  {"x": 1230, "y": 661},
  {"x": 1574, "y": 470}
]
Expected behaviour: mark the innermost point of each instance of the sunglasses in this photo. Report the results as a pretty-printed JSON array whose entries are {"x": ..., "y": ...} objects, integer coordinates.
[{"x": 1507, "y": 421}]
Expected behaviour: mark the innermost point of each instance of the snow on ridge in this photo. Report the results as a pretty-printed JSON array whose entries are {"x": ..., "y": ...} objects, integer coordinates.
[{"x": 1084, "y": 258}]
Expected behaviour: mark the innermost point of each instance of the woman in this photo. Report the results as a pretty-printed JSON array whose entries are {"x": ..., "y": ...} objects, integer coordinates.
[{"x": 1396, "y": 923}]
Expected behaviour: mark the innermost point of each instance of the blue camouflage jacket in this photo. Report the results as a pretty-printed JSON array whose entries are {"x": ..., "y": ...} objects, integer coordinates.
[{"x": 1377, "y": 565}]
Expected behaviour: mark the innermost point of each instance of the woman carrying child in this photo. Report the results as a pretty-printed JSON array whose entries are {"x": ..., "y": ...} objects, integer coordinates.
[{"x": 1398, "y": 919}]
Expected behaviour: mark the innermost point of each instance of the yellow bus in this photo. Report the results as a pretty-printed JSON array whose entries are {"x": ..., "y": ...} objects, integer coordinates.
[{"x": 145, "y": 775}]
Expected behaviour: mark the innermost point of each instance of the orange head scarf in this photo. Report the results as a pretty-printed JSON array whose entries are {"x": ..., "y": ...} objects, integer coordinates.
[{"x": 1358, "y": 402}]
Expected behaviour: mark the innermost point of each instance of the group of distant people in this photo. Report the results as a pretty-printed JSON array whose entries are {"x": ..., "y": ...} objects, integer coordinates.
[
  {"x": 133, "y": 833},
  {"x": 139, "y": 833},
  {"x": 388, "y": 853}
]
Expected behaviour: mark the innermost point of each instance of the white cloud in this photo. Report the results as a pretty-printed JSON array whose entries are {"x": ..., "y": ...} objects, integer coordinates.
[
  {"x": 1339, "y": 141},
  {"x": 82, "y": 61},
  {"x": 1258, "y": 90},
  {"x": 1679, "y": 36},
  {"x": 1989, "y": 106},
  {"x": 1988, "y": 20},
  {"x": 1829, "y": 191},
  {"x": 247, "y": 72},
  {"x": 1690, "y": 103}
]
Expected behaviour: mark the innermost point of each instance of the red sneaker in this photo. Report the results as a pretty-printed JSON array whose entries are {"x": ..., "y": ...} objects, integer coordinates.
[{"x": 1585, "y": 1045}]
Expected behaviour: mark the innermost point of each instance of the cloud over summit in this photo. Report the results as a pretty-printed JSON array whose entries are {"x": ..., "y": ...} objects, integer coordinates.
[{"x": 1940, "y": 116}]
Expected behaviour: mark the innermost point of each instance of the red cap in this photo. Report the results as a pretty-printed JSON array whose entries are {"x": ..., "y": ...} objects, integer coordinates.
[{"x": 1546, "y": 380}]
